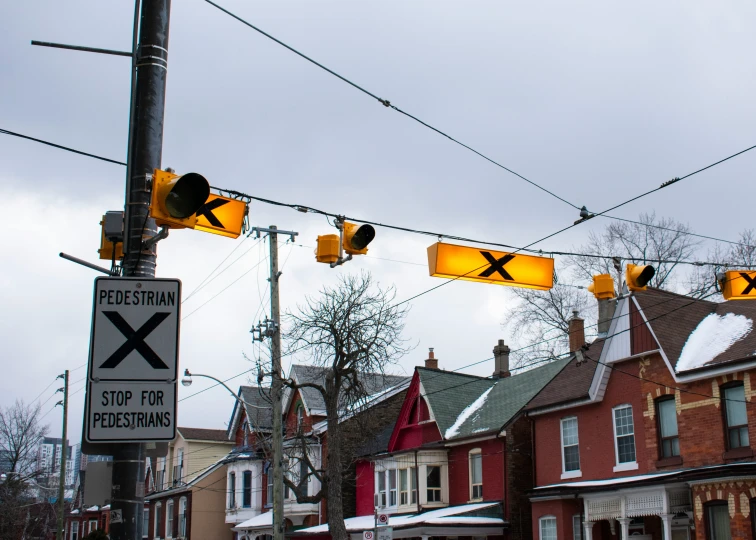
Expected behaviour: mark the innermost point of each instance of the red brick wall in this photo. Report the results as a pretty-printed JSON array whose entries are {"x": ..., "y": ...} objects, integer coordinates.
[
  {"x": 595, "y": 432},
  {"x": 291, "y": 417},
  {"x": 493, "y": 471},
  {"x": 700, "y": 420},
  {"x": 562, "y": 510}
]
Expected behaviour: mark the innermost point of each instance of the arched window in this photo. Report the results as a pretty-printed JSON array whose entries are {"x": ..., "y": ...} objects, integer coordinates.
[
  {"x": 169, "y": 519},
  {"x": 717, "y": 521},
  {"x": 156, "y": 523},
  {"x": 182, "y": 518},
  {"x": 547, "y": 528},
  {"x": 300, "y": 416}
]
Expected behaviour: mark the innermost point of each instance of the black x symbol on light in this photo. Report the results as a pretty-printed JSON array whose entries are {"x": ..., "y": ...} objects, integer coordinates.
[
  {"x": 207, "y": 211},
  {"x": 751, "y": 282},
  {"x": 497, "y": 265},
  {"x": 135, "y": 340}
]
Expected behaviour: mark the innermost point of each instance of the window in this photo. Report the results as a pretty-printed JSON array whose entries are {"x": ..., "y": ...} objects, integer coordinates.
[
  {"x": 156, "y": 525},
  {"x": 577, "y": 527},
  {"x": 382, "y": 489},
  {"x": 145, "y": 522},
  {"x": 476, "y": 474},
  {"x": 547, "y": 528},
  {"x": 737, "y": 418},
  {"x": 180, "y": 465},
  {"x": 232, "y": 490},
  {"x": 666, "y": 412},
  {"x": 624, "y": 435},
  {"x": 433, "y": 483},
  {"x": 92, "y": 525},
  {"x": 413, "y": 485},
  {"x": 403, "y": 486},
  {"x": 300, "y": 416},
  {"x": 570, "y": 448},
  {"x": 245, "y": 433},
  {"x": 391, "y": 473},
  {"x": 247, "y": 489},
  {"x": 270, "y": 484},
  {"x": 169, "y": 519},
  {"x": 75, "y": 530},
  {"x": 303, "y": 470},
  {"x": 718, "y": 521},
  {"x": 182, "y": 518}
]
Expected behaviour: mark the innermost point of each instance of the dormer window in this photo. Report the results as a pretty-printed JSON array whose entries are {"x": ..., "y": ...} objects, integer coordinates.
[
  {"x": 419, "y": 412},
  {"x": 300, "y": 416}
]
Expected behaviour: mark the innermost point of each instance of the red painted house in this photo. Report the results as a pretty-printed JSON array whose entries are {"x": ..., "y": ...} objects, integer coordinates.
[
  {"x": 647, "y": 432},
  {"x": 457, "y": 461}
]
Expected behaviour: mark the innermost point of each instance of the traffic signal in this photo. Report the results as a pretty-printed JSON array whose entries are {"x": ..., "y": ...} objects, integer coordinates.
[
  {"x": 356, "y": 238},
  {"x": 111, "y": 237},
  {"x": 602, "y": 287},
  {"x": 327, "y": 250},
  {"x": 738, "y": 285},
  {"x": 638, "y": 276},
  {"x": 176, "y": 199}
]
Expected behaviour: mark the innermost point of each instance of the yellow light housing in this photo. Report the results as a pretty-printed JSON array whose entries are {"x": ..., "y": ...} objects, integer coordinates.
[
  {"x": 327, "y": 250},
  {"x": 638, "y": 276},
  {"x": 602, "y": 287},
  {"x": 356, "y": 238},
  {"x": 739, "y": 285},
  {"x": 176, "y": 199}
]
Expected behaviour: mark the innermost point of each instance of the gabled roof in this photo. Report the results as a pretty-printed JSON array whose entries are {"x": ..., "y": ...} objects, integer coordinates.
[
  {"x": 200, "y": 434},
  {"x": 674, "y": 319},
  {"x": 374, "y": 383},
  {"x": 259, "y": 417},
  {"x": 466, "y": 405}
]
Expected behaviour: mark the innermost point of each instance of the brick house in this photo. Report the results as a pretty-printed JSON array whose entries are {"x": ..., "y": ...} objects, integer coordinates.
[
  {"x": 250, "y": 475},
  {"x": 455, "y": 464},
  {"x": 185, "y": 500},
  {"x": 647, "y": 432}
]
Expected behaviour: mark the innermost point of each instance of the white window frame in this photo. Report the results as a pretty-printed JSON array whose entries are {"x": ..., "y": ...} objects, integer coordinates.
[
  {"x": 630, "y": 465},
  {"x": 471, "y": 453},
  {"x": 74, "y": 530},
  {"x": 440, "y": 488},
  {"x": 96, "y": 523},
  {"x": 182, "y": 518},
  {"x": 565, "y": 473},
  {"x": 169, "y": 519},
  {"x": 156, "y": 520},
  {"x": 541, "y": 522},
  {"x": 145, "y": 523},
  {"x": 577, "y": 534}
]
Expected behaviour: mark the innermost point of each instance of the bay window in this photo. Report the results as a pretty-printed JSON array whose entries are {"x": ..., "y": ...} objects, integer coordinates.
[{"x": 433, "y": 483}]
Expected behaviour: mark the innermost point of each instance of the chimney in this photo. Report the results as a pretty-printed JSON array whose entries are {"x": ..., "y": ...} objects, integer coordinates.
[
  {"x": 605, "y": 314},
  {"x": 501, "y": 360},
  {"x": 431, "y": 362},
  {"x": 577, "y": 332}
]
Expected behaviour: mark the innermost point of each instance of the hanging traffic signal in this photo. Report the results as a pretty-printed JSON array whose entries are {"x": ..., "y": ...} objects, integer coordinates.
[
  {"x": 638, "y": 276},
  {"x": 356, "y": 238},
  {"x": 738, "y": 285},
  {"x": 327, "y": 250},
  {"x": 111, "y": 236},
  {"x": 176, "y": 199},
  {"x": 602, "y": 287}
]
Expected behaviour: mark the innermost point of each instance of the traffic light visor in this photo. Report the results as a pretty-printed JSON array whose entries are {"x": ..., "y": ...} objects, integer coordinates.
[
  {"x": 188, "y": 194},
  {"x": 637, "y": 277},
  {"x": 363, "y": 236}
]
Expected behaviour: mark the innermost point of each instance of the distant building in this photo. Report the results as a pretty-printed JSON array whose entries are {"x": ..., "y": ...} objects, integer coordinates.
[{"x": 49, "y": 458}]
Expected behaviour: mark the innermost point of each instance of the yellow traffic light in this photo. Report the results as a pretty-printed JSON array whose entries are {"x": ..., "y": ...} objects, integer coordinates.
[
  {"x": 176, "y": 199},
  {"x": 327, "y": 250},
  {"x": 638, "y": 276},
  {"x": 356, "y": 238},
  {"x": 602, "y": 287},
  {"x": 739, "y": 285}
]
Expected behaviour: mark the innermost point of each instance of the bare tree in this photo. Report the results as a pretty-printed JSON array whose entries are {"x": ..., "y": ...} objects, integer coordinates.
[
  {"x": 349, "y": 330},
  {"x": 20, "y": 435},
  {"x": 539, "y": 322},
  {"x": 702, "y": 282}
]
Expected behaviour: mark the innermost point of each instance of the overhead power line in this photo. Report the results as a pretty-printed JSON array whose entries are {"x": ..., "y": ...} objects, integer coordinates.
[
  {"x": 387, "y": 103},
  {"x": 66, "y": 148}
]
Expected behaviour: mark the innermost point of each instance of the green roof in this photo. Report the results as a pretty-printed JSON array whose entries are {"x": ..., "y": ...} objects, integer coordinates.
[{"x": 449, "y": 395}]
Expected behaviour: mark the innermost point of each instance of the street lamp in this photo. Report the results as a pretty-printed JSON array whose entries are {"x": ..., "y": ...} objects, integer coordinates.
[{"x": 187, "y": 381}]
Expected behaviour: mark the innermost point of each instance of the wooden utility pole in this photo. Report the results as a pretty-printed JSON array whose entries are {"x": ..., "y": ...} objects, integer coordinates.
[
  {"x": 63, "y": 457},
  {"x": 276, "y": 388}
]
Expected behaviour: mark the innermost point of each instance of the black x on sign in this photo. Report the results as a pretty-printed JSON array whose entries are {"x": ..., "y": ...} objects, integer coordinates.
[
  {"x": 221, "y": 215},
  {"x": 135, "y": 329},
  {"x": 496, "y": 265}
]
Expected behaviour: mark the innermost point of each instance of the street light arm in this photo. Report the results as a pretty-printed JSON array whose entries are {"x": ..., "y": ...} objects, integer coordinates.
[{"x": 239, "y": 399}]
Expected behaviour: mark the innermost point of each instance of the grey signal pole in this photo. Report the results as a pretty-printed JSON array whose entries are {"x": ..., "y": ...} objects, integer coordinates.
[
  {"x": 150, "y": 67},
  {"x": 276, "y": 388},
  {"x": 63, "y": 457}
]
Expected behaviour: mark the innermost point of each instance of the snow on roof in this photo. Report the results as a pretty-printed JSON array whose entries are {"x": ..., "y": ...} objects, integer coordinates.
[
  {"x": 435, "y": 517},
  {"x": 262, "y": 520},
  {"x": 713, "y": 336},
  {"x": 467, "y": 413},
  {"x": 94, "y": 508},
  {"x": 609, "y": 481},
  {"x": 74, "y": 512}
]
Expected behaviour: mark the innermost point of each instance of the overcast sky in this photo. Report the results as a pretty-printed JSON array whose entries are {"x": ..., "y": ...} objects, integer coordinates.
[{"x": 596, "y": 101}]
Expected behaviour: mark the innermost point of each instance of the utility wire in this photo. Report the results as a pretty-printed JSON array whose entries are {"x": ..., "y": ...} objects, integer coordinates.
[
  {"x": 67, "y": 148},
  {"x": 387, "y": 103}
]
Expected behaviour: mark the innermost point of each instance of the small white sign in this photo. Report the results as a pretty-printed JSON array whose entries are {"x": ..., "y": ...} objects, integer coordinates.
[
  {"x": 367, "y": 535},
  {"x": 385, "y": 533},
  {"x": 131, "y": 411},
  {"x": 116, "y": 516},
  {"x": 135, "y": 329},
  {"x": 383, "y": 519}
]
